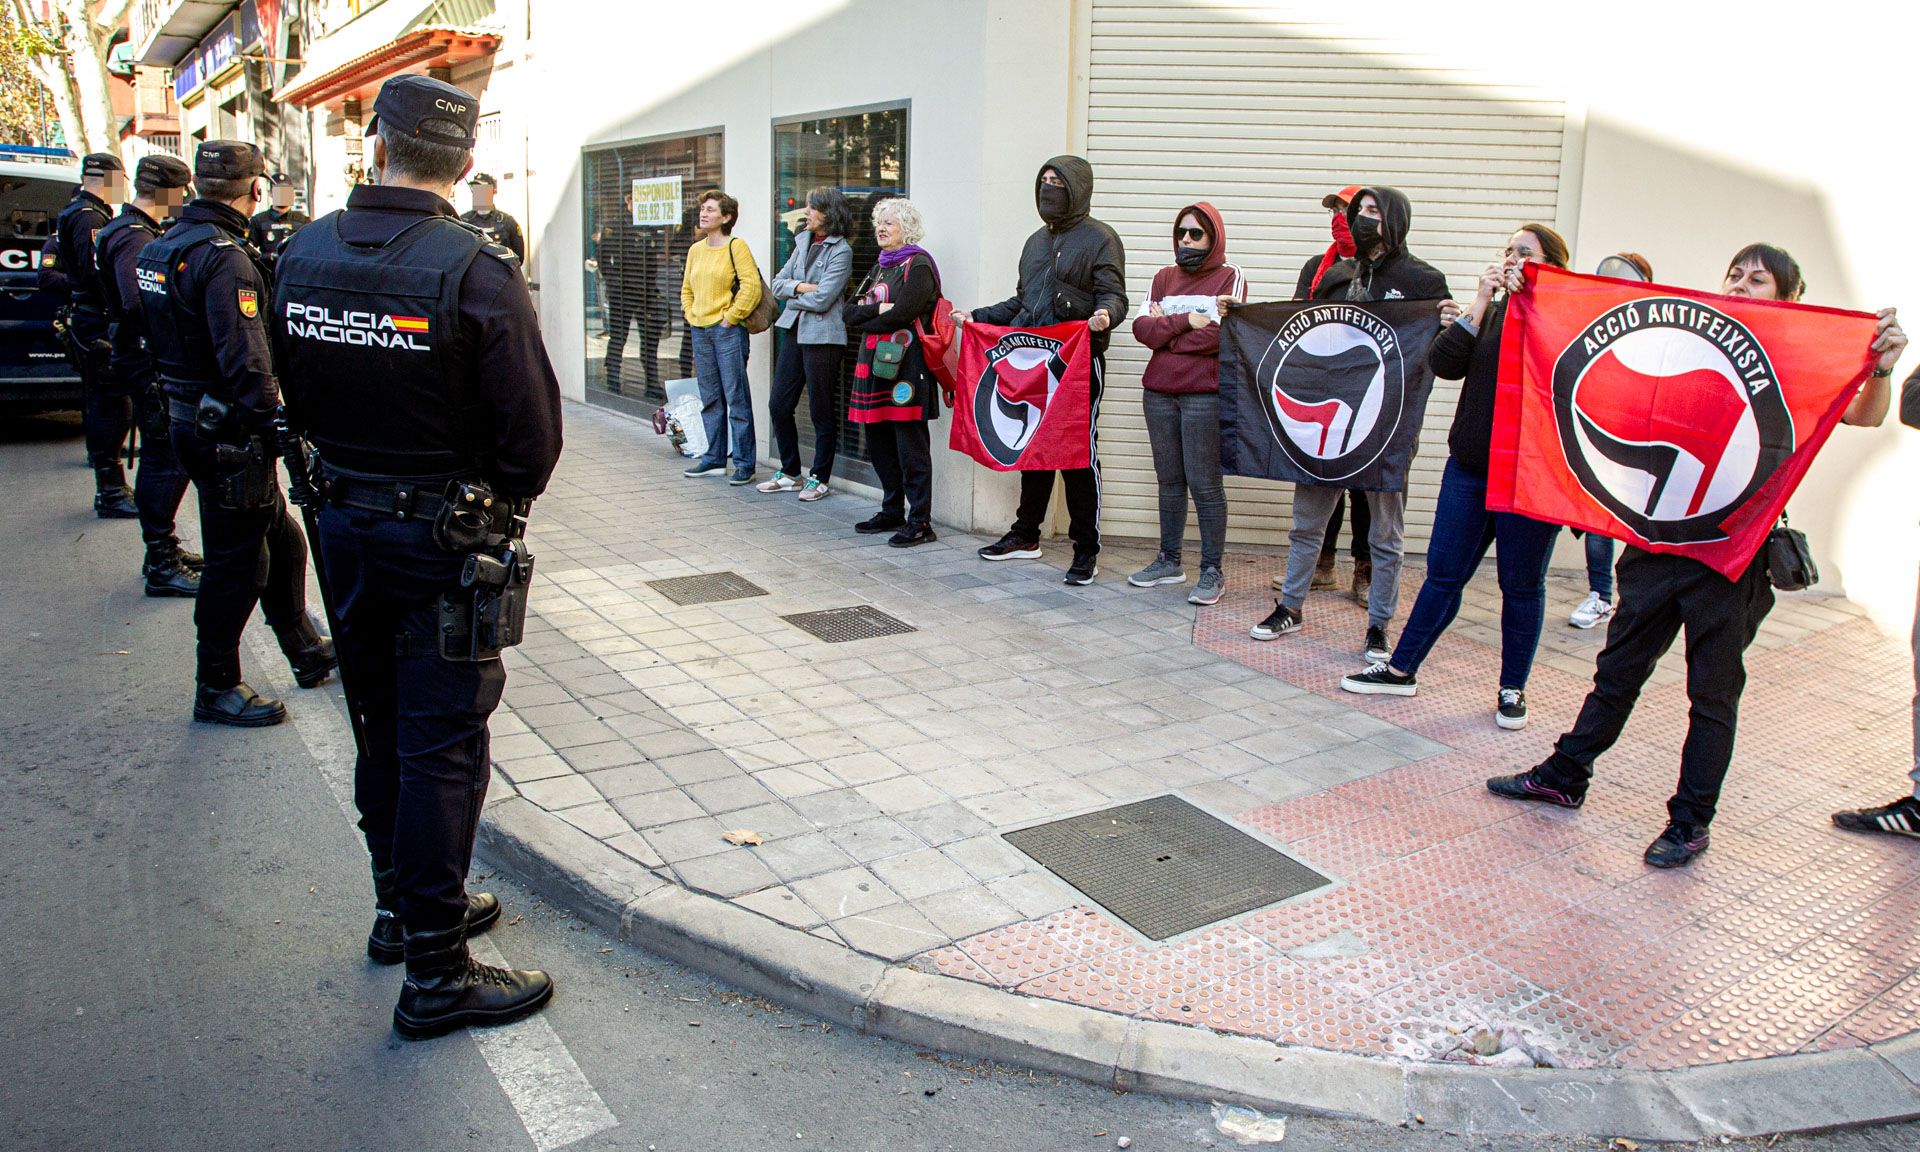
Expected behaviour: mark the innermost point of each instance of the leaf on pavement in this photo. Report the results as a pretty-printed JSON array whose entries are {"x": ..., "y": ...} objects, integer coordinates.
[{"x": 743, "y": 836}]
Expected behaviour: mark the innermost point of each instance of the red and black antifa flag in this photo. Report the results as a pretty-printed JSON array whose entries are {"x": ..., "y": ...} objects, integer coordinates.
[
  {"x": 1025, "y": 400},
  {"x": 1331, "y": 392},
  {"x": 1675, "y": 421}
]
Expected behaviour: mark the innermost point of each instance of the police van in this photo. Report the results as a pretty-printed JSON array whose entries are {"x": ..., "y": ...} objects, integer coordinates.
[{"x": 34, "y": 373}]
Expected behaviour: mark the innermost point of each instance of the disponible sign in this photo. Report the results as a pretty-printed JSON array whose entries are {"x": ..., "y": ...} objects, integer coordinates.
[{"x": 656, "y": 201}]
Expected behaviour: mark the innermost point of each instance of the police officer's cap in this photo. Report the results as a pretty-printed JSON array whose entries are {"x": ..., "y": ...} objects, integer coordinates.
[
  {"x": 228, "y": 160},
  {"x": 159, "y": 171},
  {"x": 483, "y": 180},
  {"x": 427, "y": 109},
  {"x": 100, "y": 163}
]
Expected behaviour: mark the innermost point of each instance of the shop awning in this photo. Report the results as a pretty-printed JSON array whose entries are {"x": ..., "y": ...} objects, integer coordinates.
[{"x": 398, "y": 36}]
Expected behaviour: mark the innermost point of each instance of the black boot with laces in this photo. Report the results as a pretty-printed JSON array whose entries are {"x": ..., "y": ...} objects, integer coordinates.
[{"x": 446, "y": 989}]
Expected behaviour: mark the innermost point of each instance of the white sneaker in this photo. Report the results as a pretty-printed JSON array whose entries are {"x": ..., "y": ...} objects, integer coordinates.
[
  {"x": 781, "y": 482},
  {"x": 1593, "y": 610},
  {"x": 816, "y": 489}
]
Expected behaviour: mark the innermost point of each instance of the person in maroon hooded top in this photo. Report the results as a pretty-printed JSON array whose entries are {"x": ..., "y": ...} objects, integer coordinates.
[{"x": 1182, "y": 396}]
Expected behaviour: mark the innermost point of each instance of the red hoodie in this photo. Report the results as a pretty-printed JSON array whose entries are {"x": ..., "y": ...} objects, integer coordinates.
[{"x": 1185, "y": 358}]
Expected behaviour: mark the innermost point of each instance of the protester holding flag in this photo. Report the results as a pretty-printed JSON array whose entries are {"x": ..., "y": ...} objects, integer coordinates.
[
  {"x": 894, "y": 394},
  {"x": 1902, "y": 816},
  {"x": 1181, "y": 396},
  {"x": 1073, "y": 268},
  {"x": 1311, "y": 273},
  {"x": 1664, "y": 590},
  {"x": 1468, "y": 350},
  {"x": 1382, "y": 268}
]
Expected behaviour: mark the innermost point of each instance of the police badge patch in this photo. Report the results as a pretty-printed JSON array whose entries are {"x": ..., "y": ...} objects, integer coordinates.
[{"x": 249, "y": 303}]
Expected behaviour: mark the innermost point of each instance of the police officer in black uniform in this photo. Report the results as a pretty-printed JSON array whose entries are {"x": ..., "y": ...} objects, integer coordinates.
[
  {"x": 499, "y": 227},
  {"x": 269, "y": 229},
  {"x": 159, "y": 193},
  {"x": 392, "y": 306},
  {"x": 205, "y": 292},
  {"x": 107, "y": 412}
]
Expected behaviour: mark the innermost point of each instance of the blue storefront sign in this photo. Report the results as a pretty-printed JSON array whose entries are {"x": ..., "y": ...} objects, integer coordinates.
[{"x": 237, "y": 33}]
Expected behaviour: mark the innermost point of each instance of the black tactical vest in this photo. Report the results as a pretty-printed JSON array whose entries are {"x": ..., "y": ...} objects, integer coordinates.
[
  {"x": 102, "y": 240},
  {"x": 375, "y": 365},
  {"x": 177, "y": 335},
  {"x": 76, "y": 250}
]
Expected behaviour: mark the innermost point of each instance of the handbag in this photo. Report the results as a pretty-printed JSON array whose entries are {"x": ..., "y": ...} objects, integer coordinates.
[
  {"x": 889, "y": 352},
  {"x": 1790, "y": 566},
  {"x": 761, "y": 318}
]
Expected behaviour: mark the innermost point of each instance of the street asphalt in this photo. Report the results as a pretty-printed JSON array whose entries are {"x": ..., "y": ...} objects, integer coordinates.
[{"x": 187, "y": 908}]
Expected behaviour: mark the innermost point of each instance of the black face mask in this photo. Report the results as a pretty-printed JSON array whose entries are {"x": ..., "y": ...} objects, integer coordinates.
[
  {"x": 1366, "y": 233},
  {"x": 1191, "y": 258},
  {"x": 1054, "y": 201}
]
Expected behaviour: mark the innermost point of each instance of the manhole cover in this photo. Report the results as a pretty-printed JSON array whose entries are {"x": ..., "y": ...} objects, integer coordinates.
[
  {"x": 839, "y": 625},
  {"x": 707, "y": 588},
  {"x": 1164, "y": 866}
]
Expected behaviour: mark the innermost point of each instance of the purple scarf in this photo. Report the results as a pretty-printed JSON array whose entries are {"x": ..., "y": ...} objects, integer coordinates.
[{"x": 904, "y": 253}]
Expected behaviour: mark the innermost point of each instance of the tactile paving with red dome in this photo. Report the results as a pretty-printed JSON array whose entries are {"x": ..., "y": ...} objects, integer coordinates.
[{"x": 1454, "y": 909}]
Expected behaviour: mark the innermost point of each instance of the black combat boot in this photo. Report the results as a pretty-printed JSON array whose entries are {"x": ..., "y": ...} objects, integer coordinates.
[
  {"x": 448, "y": 989},
  {"x": 112, "y": 499},
  {"x": 239, "y": 706},
  {"x": 386, "y": 943},
  {"x": 166, "y": 574},
  {"x": 308, "y": 652}
]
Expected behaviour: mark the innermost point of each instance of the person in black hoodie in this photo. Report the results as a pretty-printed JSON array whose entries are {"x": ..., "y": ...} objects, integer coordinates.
[
  {"x": 1381, "y": 268},
  {"x": 1073, "y": 268},
  {"x": 1468, "y": 350}
]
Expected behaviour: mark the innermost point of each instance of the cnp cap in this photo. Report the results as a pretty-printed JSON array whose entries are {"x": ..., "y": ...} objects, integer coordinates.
[
  {"x": 228, "y": 160},
  {"x": 483, "y": 180},
  {"x": 100, "y": 163},
  {"x": 1345, "y": 196},
  {"x": 427, "y": 109},
  {"x": 158, "y": 171}
]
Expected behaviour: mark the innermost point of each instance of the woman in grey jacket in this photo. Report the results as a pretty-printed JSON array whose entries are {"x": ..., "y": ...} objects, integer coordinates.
[{"x": 810, "y": 285}]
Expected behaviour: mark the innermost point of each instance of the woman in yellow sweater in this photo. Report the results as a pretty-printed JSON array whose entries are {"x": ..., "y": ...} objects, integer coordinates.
[{"x": 719, "y": 291}]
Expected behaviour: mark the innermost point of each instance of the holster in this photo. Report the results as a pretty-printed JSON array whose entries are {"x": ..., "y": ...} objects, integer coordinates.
[
  {"x": 489, "y": 612},
  {"x": 246, "y": 479}
]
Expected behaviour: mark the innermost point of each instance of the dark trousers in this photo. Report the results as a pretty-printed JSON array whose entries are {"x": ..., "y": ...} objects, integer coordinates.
[
  {"x": 106, "y": 411},
  {"x": 1362, "y": 527},
  {"x": 903, "y": 459},
  {"x": 624, "y": 311},
  {"x": 1082, "y": 485},
  {"x": 161, "y": 483},
  {"x": 816, "y": 368},
  {"x": 420, "y": 785},
  {"x": 1660, "y": 594},
  {"x": 254, "y": 556}
]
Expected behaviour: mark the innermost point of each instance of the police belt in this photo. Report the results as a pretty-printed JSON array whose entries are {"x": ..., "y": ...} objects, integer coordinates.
[
  {"x": 401, "y": 499},
  {"x": 181, "y": 410}
]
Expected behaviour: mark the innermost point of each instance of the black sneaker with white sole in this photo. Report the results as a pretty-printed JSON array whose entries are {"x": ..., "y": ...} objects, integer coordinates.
[
  {"x": 1011, "y": 547},
  {"x": 1379, "y": 680},
  {"x": 1086, "y": 566},
  {"x": 1512, "y": 711},
  {"x": 1900, "y": 818},
  {"x": 1278, "y": 623},
  {"x": 1376, "y": 650}
]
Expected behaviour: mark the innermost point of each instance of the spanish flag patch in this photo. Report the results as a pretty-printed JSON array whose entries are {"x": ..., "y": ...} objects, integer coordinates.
[
  {"x": 409, "y": 323},
  {"x": 249, "y": 303}
]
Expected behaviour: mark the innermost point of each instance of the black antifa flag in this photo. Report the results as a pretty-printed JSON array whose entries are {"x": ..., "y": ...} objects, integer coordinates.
[{"x": 1328, "y": 392}]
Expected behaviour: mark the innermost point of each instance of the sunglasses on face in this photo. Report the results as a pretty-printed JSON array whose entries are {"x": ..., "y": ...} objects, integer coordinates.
[{"x": 1190, "y": 233}]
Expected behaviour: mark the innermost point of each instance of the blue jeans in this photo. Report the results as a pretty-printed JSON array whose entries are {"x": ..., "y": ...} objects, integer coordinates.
[
  {"x": 720, "y": 364},
  {"x": 1463, "y": 529},
  {"x": 1600, "y": 566}
]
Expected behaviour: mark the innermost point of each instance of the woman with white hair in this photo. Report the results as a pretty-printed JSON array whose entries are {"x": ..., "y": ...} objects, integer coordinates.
[{"x": 894, "y": 394}]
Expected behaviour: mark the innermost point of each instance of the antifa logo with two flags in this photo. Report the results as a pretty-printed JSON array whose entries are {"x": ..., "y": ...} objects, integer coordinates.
[
  {"x": 1675, "y": 421},
  {"x": 1325, "y": 393},
  {"x": 1025, "y": 401}
]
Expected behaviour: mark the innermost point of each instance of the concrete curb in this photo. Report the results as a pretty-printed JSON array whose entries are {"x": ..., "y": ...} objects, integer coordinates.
[{"x": 1876, "y": 1085}]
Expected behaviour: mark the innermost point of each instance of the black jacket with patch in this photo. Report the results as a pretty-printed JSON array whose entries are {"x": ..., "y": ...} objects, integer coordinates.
[{"x": 1395, "y": 274}]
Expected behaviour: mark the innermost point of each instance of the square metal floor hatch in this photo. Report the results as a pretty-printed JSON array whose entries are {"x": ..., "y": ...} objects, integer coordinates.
[
  {"x": 707, "y": 588},
  {"x": 840, "y": 625},
  {"x": 1164, "y": 866}
]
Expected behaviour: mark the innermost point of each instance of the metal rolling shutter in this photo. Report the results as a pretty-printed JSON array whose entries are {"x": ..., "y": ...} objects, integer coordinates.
[{"x": 1262, "y": 116}]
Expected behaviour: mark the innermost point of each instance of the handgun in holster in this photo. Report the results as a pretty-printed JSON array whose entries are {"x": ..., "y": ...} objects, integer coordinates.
[
  {"x": 246, "y": 479},
  {"x": 489, "y": 612}
]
